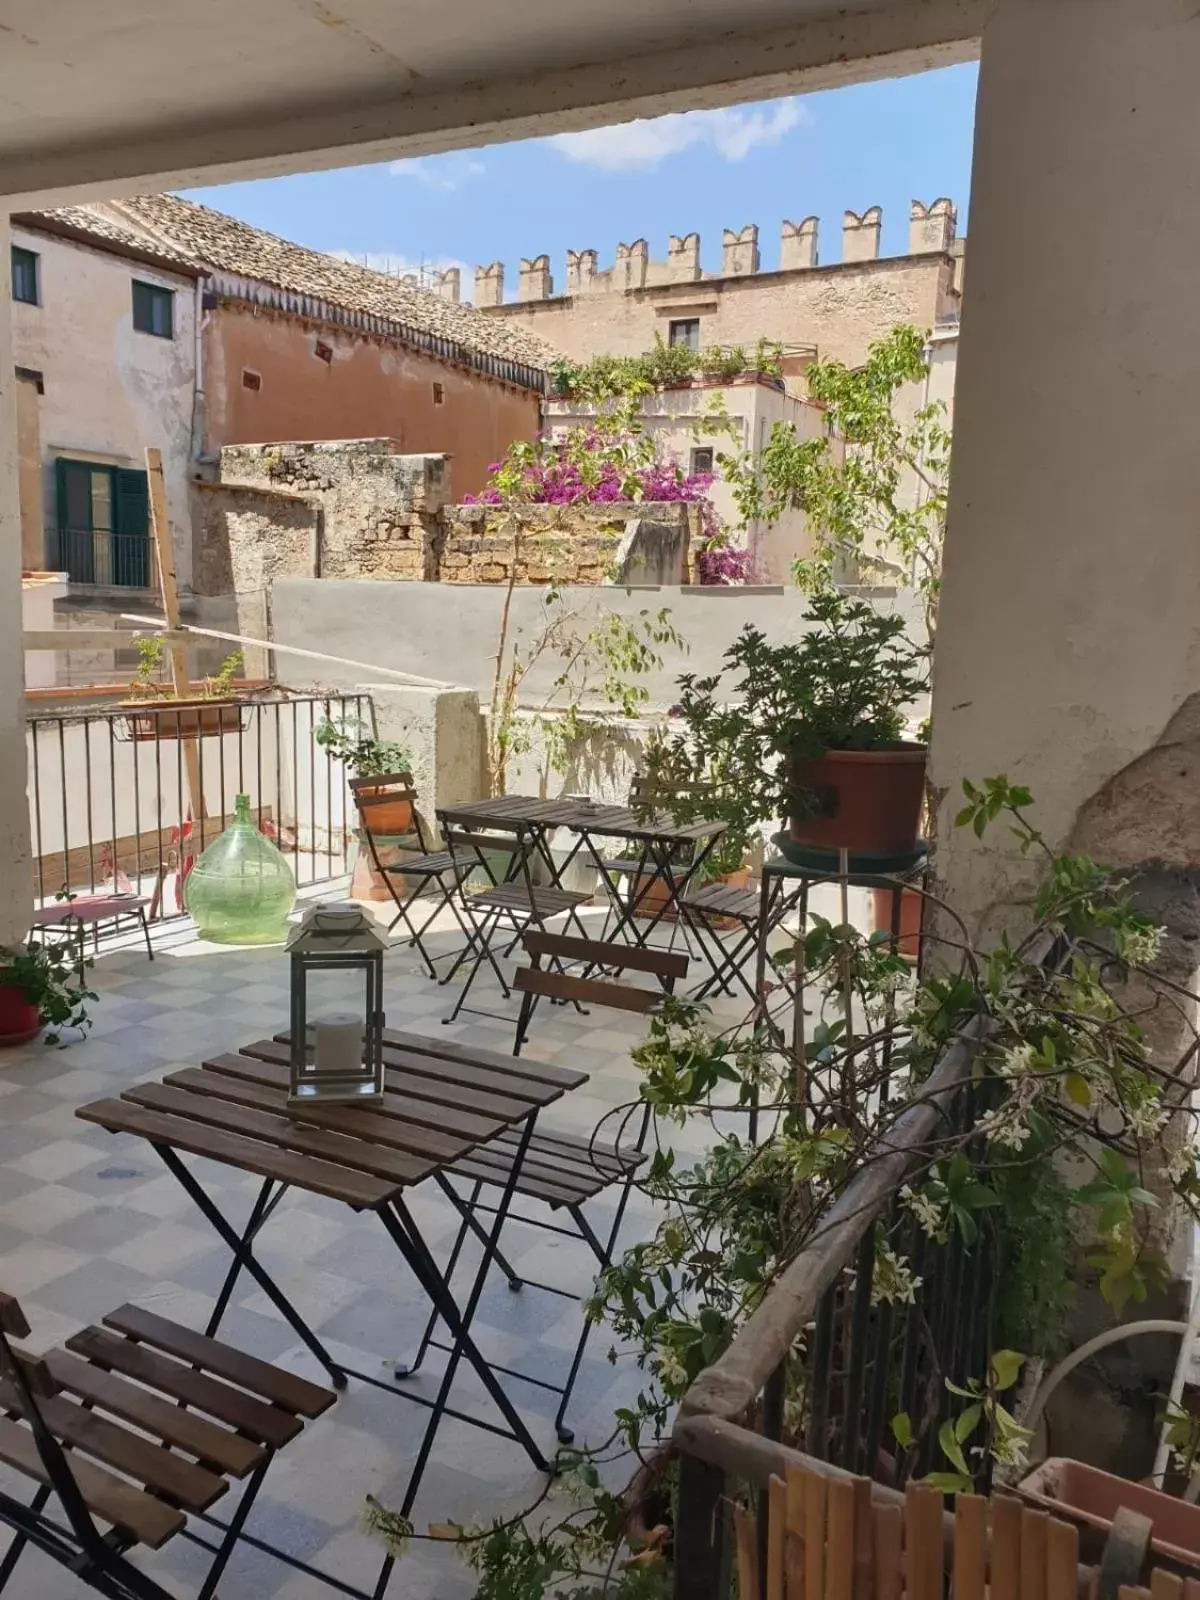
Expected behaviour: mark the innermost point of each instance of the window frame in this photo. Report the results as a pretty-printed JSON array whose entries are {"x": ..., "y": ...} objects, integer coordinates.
[
  {"x": 692, "y": 324},
  {"x": 31, "y": 261},
  {"x": 151, "y": 295},
  {"x": 121, "y": 555},
  {"x": 702, "y": 450}
]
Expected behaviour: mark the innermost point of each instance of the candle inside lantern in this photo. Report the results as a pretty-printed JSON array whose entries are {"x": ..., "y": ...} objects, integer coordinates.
[{"x": 337, "y": 1045}]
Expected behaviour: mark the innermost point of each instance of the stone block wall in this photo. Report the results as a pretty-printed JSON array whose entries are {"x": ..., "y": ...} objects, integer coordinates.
[
  {"x": 380, "y": 510},
  {"x": 613, "y": 543}
]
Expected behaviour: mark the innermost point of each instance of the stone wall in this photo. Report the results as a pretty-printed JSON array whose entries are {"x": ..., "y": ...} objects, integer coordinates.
[
  {"x": 620, "y": 544},
  {"x": 380, "y": 510}
]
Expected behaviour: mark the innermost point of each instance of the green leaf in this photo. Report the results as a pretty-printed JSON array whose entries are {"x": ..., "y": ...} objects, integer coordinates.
[
  {"x": 1078, "y": 1089},
  {"x": 949, "y": 1482},
  {"x": 951, "y": 1448},
  {"x": 902, "y": 1429},
  {"x": 966, "y": 1424},
  {"x": 1006, "y": 1368}
]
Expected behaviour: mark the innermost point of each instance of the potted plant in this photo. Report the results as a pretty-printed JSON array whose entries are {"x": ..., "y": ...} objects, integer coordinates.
[
  {"x": 812, "y": 729},
  {"x": 354, "y": 742},
  {"x": 217, "y": 710},
  {"x": 41, "y": 986}
]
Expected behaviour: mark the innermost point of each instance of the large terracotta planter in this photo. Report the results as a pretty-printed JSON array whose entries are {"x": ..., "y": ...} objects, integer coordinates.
[
  {"x": 912, "y": 905},
  {"x": 183, "y": 719},
  {"x": 869, "y": 800},
  {"x": 1091, "y": 1499},
  {"x": 19, "y": 1020}
]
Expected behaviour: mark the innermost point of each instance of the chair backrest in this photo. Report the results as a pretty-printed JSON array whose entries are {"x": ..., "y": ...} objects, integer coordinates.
[
  {"x": 482, "y": 848},
  {"x": 835, "y": 1538},
  {"x": 554, "y": 984},
  {"x": 379, "y": 800},
  {"x": 669, "y": 965}
]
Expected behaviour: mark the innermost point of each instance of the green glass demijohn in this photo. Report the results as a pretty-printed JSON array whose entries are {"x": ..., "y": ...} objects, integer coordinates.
[{"x": 241, "y": 890}]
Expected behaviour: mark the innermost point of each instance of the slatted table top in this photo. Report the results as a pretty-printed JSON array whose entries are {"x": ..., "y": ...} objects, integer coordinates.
[
  {"x": 512, "y": 810},
  {"x": 442, "y": 1100}
]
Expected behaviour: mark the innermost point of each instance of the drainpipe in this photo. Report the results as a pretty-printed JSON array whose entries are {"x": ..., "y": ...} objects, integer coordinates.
[{"x": 198, "y": 397}]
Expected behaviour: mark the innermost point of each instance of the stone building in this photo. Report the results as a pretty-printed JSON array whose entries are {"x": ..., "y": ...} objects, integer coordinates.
[
  {"x": 838, "y": 306},
  {"x": 153, "y": 320}
]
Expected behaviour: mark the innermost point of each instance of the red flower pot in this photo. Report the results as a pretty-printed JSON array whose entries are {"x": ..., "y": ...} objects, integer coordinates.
[
  {"x": 19, "y": 1020},
  {"x": 869, "y": 800}
]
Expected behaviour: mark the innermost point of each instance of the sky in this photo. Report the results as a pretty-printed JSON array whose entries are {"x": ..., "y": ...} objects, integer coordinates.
[{"x": 883, "y": 143}]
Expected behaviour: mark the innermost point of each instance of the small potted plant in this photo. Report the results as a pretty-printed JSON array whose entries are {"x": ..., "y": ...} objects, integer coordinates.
[
  {"x": 217, "y": 710},
  {"x": 353, "y": 742},
  {"x": 813, "y": 729},
  {"x": 41, "y": 986}
]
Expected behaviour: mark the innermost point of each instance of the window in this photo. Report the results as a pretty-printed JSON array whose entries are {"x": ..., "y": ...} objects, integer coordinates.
[
  {"x": 685, "y": 333},
  {"x": 323, "y": 352},
  {"x": 702, "y": 460},
  {"x": 251, "y": 380},
  {"x": 25, "y": 276},
  {"x": 439, "y": 394},
  {"x": 153, "y": 310},
  {"x": 102, "y": 534}
]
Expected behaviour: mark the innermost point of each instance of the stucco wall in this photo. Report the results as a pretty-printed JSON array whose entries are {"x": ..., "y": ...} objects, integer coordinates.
[
  {"x": 839, "y": 309},
  {"x": 16, "y": 883},
  {"x": 622, "y": 542},
  {"x": 109, "y": 390},
  {"x": 369, "y": 387}
]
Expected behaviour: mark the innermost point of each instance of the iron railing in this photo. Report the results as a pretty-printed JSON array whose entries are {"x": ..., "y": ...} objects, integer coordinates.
[
  {"x": 131, "y": 793},
  {"x": 864, "y": 1360},
  {"x": 103, "y": 559}
]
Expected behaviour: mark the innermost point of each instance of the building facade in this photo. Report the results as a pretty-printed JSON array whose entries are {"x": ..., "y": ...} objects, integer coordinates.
[{"x": 838, "y": 307}]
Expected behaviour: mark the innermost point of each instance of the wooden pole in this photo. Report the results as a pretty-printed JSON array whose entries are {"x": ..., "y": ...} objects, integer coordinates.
[{"x": 177, "y": 653}]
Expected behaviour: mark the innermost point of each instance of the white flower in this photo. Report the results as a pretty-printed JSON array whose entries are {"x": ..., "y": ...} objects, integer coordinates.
[
  {"x": 1179, "y": 1163},
  {"x": 670, "y": 1368},
  {"x": 1142, "y": 946},
  {"x": 1004, "y": 1128},
  {"x": 1016, "y": 1061},
  {"x": 931, "y": 1218},
  {"x": 1147, "y": 1120},
  {"x": 894, "y": 1281}
]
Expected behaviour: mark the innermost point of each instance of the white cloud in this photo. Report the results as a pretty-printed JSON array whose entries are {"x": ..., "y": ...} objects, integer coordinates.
[
  {"x": 440, "y": 172},
  {"x": 732, "y": 133}
]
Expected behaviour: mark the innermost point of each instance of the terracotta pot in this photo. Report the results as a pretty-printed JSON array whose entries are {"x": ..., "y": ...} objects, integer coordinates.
[
  {"x": 652, "y": 896},
  {"x": 183, "y": 719},
  {"x": 870, "y": 800},
  {"x": 367, "y": 883},
  {"x": 19, "y": 1020},
  {"x": 648, "y": 1503},
  {"x": 1091, "y": 1499},
  {"x": 912, "y": 906},
  {"x": 390, "y": 818}
]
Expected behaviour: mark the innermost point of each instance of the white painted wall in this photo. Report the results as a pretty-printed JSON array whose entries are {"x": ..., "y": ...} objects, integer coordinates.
[
  {"x": 38, "y": 594},
  {"x": 15, "y": 893},
  {"x": 109, "y": 390},
  {"x": 676, "y": 418}
]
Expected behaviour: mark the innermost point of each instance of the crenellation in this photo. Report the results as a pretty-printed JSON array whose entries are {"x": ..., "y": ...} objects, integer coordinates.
[
  {"x": 630, "y": 267},
  {"x": 448, "y": 284},
  {"x": 798, "y": 245},
  {"x": 533, "y": 279},
  {"x": 489, "y": 285},
  {"x": 861, "y": 235},
  {"x": 931, "y": 229},
  {"x": 581, "y": 271},
  {"x": 739, "y": 251}
]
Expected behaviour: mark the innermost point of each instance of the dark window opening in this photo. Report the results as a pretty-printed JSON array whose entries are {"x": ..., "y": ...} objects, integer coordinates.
[
  {"x": 702, "y": 461},
  {"x": 25, "y": 276},
  {"x": 251, "y": 379},
  {"x": 685, "y": 333},
  {"x": 439, "y": 394},
  {"x": 153, "y": 310},
  {"x": 102, "y": 532},
  {"x": 323, "y": 352}
]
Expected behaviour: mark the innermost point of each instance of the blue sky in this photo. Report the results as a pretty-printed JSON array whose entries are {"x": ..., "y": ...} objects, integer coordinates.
[{"x": 882, "y": 143}]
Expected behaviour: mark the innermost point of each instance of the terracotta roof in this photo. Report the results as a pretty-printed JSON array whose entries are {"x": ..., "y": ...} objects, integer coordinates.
[
  {"x": 227, "y": 245},
  {"x": 93, "y": 223}
]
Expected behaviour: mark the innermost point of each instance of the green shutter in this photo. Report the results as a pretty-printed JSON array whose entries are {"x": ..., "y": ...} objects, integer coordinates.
[{"x": 131, "y": 527}]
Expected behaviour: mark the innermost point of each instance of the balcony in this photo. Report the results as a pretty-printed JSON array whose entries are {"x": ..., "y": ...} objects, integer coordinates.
[{"x": 101, "y": 559}]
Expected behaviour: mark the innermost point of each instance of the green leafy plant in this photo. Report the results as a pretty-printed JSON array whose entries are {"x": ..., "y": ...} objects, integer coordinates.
[
  {"x": 46, "y": 974},
  {"x": 874, "y": 487},
  {"x": 221, "y": 685},
  {"x": 846, "y": 684},
  {"x": 607, "y": 377},
  {"x": 353, "y": 741},
  {"x": 150, "y": 655}
]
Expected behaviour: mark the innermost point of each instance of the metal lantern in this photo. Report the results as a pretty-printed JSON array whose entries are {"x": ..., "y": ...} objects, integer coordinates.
[{"x": 337, "y": 1057}]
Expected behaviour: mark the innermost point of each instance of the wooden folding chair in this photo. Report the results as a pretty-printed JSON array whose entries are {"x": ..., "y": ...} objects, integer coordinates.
[
  {"x": 133, "y": 1426},
  {"x": 408, "y": 880},
  {"x": 560, "y": 1171}
]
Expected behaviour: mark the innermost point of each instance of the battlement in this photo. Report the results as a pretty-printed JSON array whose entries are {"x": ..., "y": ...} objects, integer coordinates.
[{"x": 932, "y": 230}]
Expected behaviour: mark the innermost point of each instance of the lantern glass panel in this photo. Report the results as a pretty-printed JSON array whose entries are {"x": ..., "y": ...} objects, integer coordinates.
[{"x": 337, "y": 1005}]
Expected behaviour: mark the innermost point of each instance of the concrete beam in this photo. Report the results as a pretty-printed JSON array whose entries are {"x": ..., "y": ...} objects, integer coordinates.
[{"x": 822, "y": 52}]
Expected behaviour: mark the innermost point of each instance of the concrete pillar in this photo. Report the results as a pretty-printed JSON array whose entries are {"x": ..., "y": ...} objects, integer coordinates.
[
  {"x": 1068, "y": 648},
  {"x": 798, "y": 245},
  {"x": 443, "y": 729},
  {"x": 16, "y": 882}
]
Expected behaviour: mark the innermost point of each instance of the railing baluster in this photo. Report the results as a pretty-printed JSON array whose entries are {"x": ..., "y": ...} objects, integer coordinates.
[{"x": 701, "y": 1541}]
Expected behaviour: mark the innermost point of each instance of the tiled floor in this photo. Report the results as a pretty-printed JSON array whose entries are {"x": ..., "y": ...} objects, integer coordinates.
[{"x": 88, "y": 1220}]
